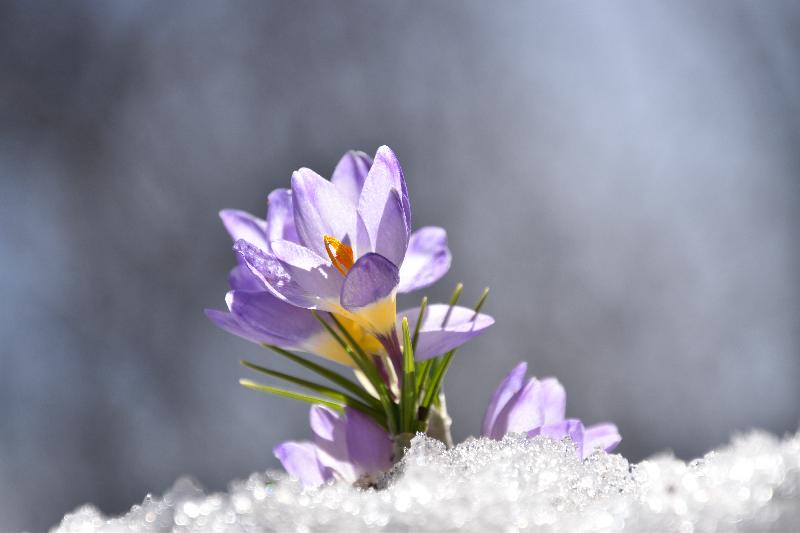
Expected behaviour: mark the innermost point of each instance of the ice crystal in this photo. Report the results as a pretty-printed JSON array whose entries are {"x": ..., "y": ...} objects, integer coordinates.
[{"x": 517, "y": 484}]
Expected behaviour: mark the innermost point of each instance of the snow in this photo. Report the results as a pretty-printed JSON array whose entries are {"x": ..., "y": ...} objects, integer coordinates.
[{"x": 517, "y": 484}]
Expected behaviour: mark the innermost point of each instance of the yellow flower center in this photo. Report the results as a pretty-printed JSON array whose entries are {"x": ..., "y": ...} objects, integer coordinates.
[{"x": 341, "y": 254}]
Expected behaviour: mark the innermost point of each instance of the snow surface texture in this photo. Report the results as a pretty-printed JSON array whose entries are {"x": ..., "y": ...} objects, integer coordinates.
[{"x": 517, "y": 484}]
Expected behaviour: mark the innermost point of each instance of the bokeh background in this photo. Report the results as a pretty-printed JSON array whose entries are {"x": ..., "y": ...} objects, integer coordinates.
[{"x": 624, "y": 175}]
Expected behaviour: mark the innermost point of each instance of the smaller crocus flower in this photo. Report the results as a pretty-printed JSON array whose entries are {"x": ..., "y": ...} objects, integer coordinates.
[
  {"x": 537, "y": 407},
  {"x": 347, "y": 446}
]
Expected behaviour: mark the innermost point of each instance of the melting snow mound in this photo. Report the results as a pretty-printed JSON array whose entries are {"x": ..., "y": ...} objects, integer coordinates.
[{"x": 517, "y": 484}]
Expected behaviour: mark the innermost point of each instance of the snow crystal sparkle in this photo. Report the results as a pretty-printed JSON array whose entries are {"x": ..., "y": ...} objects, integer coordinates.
[{"x": 515, "y": 484}]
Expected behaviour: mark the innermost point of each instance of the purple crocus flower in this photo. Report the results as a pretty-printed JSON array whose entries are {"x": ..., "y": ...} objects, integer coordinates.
[
  {"x": 256, "y": 314},
  {"x": 326, "y": 245},
  {"x": 347, "y": 446},
  {"x": 344, "y": 245},
  {"x": 537, "y": 407}
]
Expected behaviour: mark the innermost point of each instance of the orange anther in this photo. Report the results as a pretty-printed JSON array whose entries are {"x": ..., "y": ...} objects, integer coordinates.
[{"x": 341, "y": 254}]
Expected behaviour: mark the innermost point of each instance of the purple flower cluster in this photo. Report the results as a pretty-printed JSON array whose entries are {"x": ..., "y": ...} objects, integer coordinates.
[{"x": 332, "y": 255}]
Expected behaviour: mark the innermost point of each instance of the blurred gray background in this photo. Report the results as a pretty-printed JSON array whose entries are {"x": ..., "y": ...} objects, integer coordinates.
[{"x": 624, "y": 175}]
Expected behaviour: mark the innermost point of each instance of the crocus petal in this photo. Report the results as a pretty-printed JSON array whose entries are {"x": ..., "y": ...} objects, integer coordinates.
[
  {"x": 264, "y": 318},
  {"x": 277, "y": 322},
  {"x": 242, "y": 279},
  {"x": 427, "y": 259},
  {"x": 301, "y": 462},
  {"x": 369, "y": 446},
  {"x": 392, "y": 239},
  {"x": 316, "y": 275},
  {"x": 368, "y": 292},
  {"x": 328, "y": 426},
  {"x": 384, "y": 176},
  {"x": 603, "y": 436},
  {"x": 274, "y": 275},
  {"x": 553, "y": 400},
  {"x": 280, "y": 216},
  {"x": 320, "y": 209},
  {"x": 434, "y": 339},
  {"x": 510, "y": 385},
  {"x": 350, "y": 173},
  {"x": 363, "y": 242},
  {"x": 231, "y": 324},
  {"x": 242, "y": 225},
  {"x": 523, "y": 412},
  {"x": 330, "y": 436}
]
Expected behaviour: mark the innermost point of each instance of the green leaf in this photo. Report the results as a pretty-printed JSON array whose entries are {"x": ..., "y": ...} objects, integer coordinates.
[
  {"x": 332, "y": 376},
  {"x": 422, "y": 373},
  {"x": 408, "y": 407},
  {"x": 441, "y": 365},
  {"x": 436, "y": 379},
  {"x": 290, "y": 394},
  {"x": 422, "y": 307},
  {"x": 333, "y": 394},
  {"x": 481, "y": 301},
  {"x": 453, "y": 301}
]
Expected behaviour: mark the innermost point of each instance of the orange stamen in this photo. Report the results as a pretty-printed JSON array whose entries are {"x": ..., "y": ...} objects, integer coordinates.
[{"x": 341, "y": 254}]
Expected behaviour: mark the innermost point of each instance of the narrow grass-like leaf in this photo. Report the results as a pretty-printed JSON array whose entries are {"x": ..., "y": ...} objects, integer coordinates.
[
  {"x": 430, "y": 367},
  {"x": 334, "y": 395},
  {"x": 408, "y": 400},
  {"x": 422, "y": 368},
  {"x": 290, "y": 394},
  {"x": 453, "y": 301},
  {"x": 480, "y": 303},
  {"x": 423, "y": 306},
  {"x": 435, "y": 382},
  {"x": 362, "y": 359},
  {"x": 332, "y": 376},
  {"x": 440, "y": 367},
  {"x": 422, "y": 372}
]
